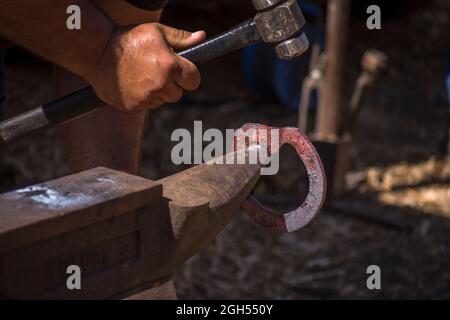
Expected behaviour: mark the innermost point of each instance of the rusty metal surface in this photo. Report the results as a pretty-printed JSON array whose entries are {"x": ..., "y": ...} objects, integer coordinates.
[
  {"x": 203, "y": 200},
  {"x": 125, "y": 235},
  {"x": 100, "y": 220},
  {"x": 68, "y": 203},
  {"x": 129, "y": 234},
  {"x": 280, "y": 23},
  {"x": 312, "y": 205}
]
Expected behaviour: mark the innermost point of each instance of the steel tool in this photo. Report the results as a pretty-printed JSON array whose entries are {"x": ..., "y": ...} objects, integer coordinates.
[{"x": 278, "y": 22}]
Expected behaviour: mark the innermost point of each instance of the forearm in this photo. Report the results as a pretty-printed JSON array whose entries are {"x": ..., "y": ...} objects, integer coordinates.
[{"x": 40, "y": 26}]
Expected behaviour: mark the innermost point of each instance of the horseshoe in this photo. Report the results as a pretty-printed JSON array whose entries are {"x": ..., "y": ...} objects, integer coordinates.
[{"x": 303, "y": 215}]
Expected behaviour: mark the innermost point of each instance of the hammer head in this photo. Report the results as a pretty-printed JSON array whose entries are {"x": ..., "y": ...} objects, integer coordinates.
[{"x": 281, "y": 22}]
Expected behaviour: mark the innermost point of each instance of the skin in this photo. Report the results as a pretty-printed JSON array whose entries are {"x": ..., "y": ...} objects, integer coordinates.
[{"x": 131, "y": 65}]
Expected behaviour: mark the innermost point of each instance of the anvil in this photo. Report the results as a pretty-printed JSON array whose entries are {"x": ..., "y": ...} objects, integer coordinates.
[{"x": 126, "y": 233}]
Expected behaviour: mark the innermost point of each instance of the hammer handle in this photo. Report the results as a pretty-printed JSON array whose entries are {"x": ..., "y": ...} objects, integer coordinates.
[
  {"x": 84, "y": 101},
  {"x": 240, "y": 36}
]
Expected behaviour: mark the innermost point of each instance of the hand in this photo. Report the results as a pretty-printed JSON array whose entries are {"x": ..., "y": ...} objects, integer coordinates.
[{"x": 139, "y": 68}]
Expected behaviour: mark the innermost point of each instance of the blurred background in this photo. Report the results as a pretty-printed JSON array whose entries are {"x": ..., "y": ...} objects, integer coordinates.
[{"x": 390, "y": 203}]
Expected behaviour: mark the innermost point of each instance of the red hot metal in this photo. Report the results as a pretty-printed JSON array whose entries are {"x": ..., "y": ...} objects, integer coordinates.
[{"x": 313, "y": 203}]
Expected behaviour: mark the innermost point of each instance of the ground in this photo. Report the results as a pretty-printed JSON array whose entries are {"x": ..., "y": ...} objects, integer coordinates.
[{"x": 396, "y": 214}]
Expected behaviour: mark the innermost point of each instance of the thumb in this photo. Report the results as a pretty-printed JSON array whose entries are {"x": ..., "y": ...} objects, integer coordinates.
[{"x": 181, "y": 39}]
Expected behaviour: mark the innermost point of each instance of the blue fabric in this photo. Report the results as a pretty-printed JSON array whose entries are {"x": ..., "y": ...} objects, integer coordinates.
[
  {"x": 268, "y": 76},
  {"x": 2, "y": 80}
]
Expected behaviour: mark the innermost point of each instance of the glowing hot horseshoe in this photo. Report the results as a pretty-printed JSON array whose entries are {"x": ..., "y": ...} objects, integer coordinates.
[{"x": 303, "y": 215}]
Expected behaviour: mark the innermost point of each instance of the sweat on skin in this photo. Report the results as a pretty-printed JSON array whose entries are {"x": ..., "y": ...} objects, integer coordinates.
[{"x": 122, "y": 54}]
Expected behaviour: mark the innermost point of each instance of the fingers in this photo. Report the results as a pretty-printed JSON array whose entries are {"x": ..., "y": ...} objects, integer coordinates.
[
  {"x": 171, "y": 74},
  {"x": 188, "y": 77},
  {"x": 180, "y": 39},
  {"x": 179, "y": 75},
  {"x": 180, "y": 71},
  {"x": 172, "y": 93}
]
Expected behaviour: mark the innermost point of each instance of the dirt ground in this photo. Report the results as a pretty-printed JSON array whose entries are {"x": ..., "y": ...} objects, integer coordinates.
[{"x": 396, "y": 214}]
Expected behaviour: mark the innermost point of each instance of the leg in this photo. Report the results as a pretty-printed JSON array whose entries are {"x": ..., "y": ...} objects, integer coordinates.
[{"x": 105, "y": 137}]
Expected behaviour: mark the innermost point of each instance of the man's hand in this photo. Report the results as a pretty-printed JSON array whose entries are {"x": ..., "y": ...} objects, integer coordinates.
[
  {"x": 139, "y": 68},
  {"x": 130, "y": 68}
]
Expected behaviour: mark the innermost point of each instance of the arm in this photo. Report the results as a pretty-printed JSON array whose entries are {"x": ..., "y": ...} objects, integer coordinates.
[
  {"x": 40, "y": 26},
  {"x": 132, "y": 68}
]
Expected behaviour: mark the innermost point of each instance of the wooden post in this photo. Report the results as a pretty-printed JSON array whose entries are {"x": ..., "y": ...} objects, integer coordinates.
[
  {"x": 332, "y": 147},
  {"x": 330, "y": 105}
]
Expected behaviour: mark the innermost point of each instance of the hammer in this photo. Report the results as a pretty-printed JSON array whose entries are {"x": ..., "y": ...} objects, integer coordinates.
[{"x": 279, "y": 22}]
